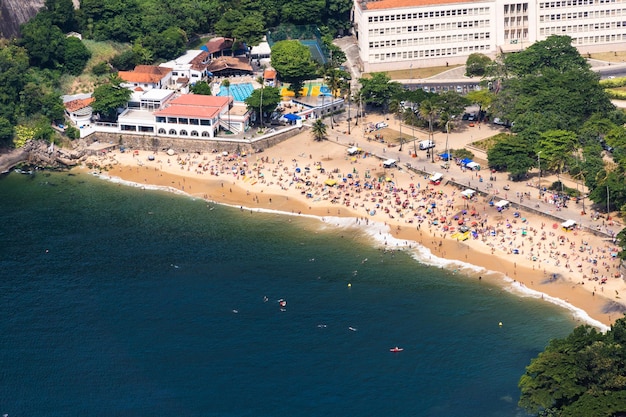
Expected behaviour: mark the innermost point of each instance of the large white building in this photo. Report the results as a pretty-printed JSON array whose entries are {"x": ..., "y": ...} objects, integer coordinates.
[{"x": 404, "y": 34}]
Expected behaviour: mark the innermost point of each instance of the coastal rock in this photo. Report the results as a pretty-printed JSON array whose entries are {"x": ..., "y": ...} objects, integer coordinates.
[{"x": 43, "y": 155}]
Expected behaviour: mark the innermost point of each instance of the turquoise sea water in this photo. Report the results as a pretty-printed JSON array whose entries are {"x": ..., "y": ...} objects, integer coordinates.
[{"x": 118, "y": 301}]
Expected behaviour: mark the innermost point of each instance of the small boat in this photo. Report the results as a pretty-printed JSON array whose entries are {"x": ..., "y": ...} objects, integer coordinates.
[{"x": 396, "y": 349}]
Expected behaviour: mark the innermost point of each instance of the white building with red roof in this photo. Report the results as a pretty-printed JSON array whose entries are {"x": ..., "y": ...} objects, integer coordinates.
[
  {"x": 404, "y": 34},
  {"x": 189, "y": 68},
  {"x": 78, "y": 109},
  {"x": 146, "y": 77},
  {"x": 187, "y": 116}
]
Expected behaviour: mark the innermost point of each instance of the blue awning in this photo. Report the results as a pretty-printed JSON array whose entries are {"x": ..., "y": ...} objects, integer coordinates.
[
  {"x": 292, "y": 117},
  {"x": 466, "y": 161},
  {"x": 445, "y": 156}
]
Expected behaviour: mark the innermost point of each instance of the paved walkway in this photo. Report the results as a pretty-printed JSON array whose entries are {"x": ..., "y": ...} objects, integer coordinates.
[{"x": 492, "y": 188}]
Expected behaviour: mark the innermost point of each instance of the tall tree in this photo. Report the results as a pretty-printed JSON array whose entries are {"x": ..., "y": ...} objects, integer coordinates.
[
  {"x": 44, "y": 41},
  {"x": 477, "y": 65},
  {"x": 557, "y": 147},
  {"x": 226, "y": 85},
  {"x": 110, "y": 97},
  {"x": 378, "y": 89},
  {"x": 75, "y": 55},
  {"x": 293, "y": 62},
  {"x": 318, "y": 129},
  {"x": 556, "y": 53},
  {"x": 62, "y": 14},
  {"x": 201, "y": 88},
  {"x": 263, "y": 100}
]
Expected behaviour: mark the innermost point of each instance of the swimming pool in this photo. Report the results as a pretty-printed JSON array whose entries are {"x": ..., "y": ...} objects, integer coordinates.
[{"x": 239, "y": 92}]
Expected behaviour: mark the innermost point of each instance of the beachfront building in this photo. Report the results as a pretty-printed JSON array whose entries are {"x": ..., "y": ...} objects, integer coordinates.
[
  {"x": 406, "y": 34},
  {"x": 78, "y": 109},
  {"x": 188, "y": 69},
  {"x": 194, "y": 116},
  {"x": 146, "y": 77},
  {"x": 185, "y": 116}
]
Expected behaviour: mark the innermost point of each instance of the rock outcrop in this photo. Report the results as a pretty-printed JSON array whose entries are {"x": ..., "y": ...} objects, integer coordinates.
[
  {"x": 42, "y": 155},
  {"x": 15, "y": 12}
]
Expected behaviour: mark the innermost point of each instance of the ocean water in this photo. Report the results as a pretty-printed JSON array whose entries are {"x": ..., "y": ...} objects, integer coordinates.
[{"x": 118, "y": 301}]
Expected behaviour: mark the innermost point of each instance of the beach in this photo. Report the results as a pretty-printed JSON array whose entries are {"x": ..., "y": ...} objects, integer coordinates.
[{"x": 521, "y": 251}]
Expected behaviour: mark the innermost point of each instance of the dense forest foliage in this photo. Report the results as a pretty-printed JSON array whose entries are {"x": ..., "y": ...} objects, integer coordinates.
[{"x": 582, "y": 375}]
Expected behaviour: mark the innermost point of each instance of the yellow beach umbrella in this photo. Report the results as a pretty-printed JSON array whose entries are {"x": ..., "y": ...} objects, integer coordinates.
[{"x": 330, "y": 182}]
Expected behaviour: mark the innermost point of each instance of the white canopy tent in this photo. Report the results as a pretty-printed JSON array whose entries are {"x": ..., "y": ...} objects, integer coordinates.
[
  {"x": 473, "y": 166},
  {"x": 468, "y": 193},
  {"x": 502, "y": 204},
  {"x": 568, "y": 224},
  {"x": 437, "y": 176}
]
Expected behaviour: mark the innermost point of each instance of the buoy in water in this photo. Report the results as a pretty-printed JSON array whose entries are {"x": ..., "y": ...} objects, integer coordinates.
[
  {"x": 500, "y": 324},
  {"x": 349, "y": 285}
]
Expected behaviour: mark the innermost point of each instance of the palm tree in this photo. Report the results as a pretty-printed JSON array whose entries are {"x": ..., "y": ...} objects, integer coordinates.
[
  {"x": 428, "y": 110},
  {"x": 261, "y": 81},
  {"x": 333, "y": 82},
  {"x": 319, "y": 130},
  {"x": 226, "y": 83}
]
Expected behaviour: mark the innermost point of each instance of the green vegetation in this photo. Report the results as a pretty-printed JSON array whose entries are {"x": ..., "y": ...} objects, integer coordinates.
[
  {"x": 319, "y": 130},
  {"x": 579, "y": 376},
  {"x": 294, "y": 63}
]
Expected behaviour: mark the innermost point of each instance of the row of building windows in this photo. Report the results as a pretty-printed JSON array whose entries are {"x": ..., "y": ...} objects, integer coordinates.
[
  {"x": 515, "y": 8},
  {"x": 586, "y": 40},
  {"x": 430, "y": 40},
  {"x": 550, "y": 30},
  {"x": 383, "y": 31},
  {"x": 590, "y": 40},
  {"x": 428, "y": 53},
  {"x": 582, "y": 15},
  {"x": 183, "y": 121},
  {"x": 570, "y": 3},
  {"x": 183, "y": 132},
  {"x": 432, "y": 14},
  {"x": 519, "y": 21}
]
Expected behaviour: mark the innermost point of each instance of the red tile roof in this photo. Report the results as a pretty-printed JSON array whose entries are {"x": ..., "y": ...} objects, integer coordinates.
[
  {"x": 218, "y": 44},
  {"x": 144, "y": 74},
  {"x": 229, "y": 62},
  {"x": 78, "y": 104},
  {"x": 195, "y": 105},
  {"x": 269, "y": 74},
  {"x": 200, "y": 62}
]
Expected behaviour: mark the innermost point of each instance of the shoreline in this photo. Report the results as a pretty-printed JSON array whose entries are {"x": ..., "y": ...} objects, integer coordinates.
[{"x": 254, "y": 183}]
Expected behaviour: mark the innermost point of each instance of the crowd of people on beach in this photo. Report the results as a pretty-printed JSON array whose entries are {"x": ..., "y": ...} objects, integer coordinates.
[{"x": 359, "y": 186}]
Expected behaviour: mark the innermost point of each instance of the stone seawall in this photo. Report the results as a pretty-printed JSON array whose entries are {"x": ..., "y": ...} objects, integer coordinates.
[{"x": 221, "y": 144}]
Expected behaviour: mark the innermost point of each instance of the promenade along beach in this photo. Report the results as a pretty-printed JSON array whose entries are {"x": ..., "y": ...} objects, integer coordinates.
[{"x": 524, "y": 252}]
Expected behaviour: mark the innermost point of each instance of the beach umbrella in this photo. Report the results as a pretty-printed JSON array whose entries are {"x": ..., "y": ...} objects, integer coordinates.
[{"x": 170, "y": 152}]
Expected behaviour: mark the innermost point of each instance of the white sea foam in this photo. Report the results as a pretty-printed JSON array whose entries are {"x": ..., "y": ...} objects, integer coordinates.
[
  {"x": 380, "y": 233},
  {"x": 520, "y": 289}
]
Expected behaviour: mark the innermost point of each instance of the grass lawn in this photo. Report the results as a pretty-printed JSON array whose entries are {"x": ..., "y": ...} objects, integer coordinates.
[
  {"x": 86, "y": 82},
  {"x": 416, "y": 73},
  {"x": 487, "y": 143},
  {"x": 614, "y": 56}
]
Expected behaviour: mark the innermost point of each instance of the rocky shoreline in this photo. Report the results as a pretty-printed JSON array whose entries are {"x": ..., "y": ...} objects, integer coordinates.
[{"x": 40, "y": 154}]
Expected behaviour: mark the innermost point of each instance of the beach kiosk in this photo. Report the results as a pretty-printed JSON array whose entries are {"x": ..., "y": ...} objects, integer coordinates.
[
  {"x": 568, "y": 225},
  {"x": 502, "y": 204},
  {"x": 389, "y": 163},
  {"x": 353, "y": 150},
  {"x": 468, "y": 193},
  {"x": 436, "y": 178},
  {"x": 473, "y": 166}
]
